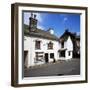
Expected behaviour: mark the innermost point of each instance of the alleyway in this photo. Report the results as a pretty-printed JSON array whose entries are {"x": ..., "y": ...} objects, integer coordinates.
[{"x": 71, "y": 67}]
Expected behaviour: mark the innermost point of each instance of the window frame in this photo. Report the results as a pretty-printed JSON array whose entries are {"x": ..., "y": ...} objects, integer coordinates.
[
  {"x": 37, "y": 46},
  {"x": 50, "y": 45}
]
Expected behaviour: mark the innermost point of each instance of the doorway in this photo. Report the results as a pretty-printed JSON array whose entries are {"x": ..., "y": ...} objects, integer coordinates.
[
  {"x": 62, "y": 53},
  {"x": 46, "y": 57},
  {"x": 25, "y": 57}
]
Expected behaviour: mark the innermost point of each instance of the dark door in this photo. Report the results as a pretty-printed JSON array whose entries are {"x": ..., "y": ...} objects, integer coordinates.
[
  {"x": 25, "y": 56},
  {"x": 62, "y": 53},
  {"x": 46, "y": 57}
]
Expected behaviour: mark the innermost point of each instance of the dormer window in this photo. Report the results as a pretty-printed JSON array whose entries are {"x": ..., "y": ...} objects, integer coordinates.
[
  {"x": 37, "y": 44},
  {"x": 50, "y": 45}
]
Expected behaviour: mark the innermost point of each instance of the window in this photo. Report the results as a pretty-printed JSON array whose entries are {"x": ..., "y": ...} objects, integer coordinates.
[
  {"x": 37, "y": 45},
  {"x": 68, "y": 53},
  {"x": 51, "y": 55},
  {"x": 50, "y": 45},
  {"x": 62, "y": 44},
  {"x": 39, "y": 56}
]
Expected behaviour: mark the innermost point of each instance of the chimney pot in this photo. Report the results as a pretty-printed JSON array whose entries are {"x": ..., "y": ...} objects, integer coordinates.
[
  {"x": 66, "y": 30},
  {"x": 34, "y": 16},
  {"x": 31, "y": 14}
]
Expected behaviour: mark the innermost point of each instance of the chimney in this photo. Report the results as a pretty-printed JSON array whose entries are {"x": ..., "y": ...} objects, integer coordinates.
[
  {"x": 34, "y": 16},
  {"x": 66, "y": 30},
  {"x": 32, "y": 22}
]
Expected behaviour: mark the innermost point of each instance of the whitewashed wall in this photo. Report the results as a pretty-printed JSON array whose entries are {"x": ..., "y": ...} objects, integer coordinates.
[
  {"x": 29, "y": 44},
  {"x": 69, "y": 46}
]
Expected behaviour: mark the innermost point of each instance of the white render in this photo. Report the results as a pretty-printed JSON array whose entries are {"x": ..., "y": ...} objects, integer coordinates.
[
  {"x": 29, "y": 45},
  {"x": 68, "y": 45}
]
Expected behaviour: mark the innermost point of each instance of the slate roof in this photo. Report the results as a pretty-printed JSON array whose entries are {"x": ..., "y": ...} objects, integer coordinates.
[
  {"x": 41, "y": 34},
  {"x": 65, "y": 36}
]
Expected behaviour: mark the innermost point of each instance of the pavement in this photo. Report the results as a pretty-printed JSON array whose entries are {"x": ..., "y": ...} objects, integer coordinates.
[{"x": 70, "y": 67}]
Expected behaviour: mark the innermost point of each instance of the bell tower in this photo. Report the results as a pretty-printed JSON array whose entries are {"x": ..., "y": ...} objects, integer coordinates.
[{"x": 32, "y": 22}]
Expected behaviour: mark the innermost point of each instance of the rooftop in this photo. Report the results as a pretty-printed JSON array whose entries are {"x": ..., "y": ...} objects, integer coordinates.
[
  {"x": 39, "y": 33},
  {"x": 65, "y": 35}
]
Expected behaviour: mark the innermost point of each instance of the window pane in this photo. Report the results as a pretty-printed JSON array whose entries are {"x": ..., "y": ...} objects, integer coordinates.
[
  {"x": 50, "y": 45},
  {"x": 51, "y": 55},
  {"x": 37, "y": 45}
]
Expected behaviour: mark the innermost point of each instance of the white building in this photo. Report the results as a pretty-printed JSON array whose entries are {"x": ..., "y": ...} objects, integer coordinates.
[
  {"x": 66, "y": 49},
  {"x": 42, "y": 47}
]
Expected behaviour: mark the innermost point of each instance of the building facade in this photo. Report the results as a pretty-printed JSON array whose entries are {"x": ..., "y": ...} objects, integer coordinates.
[{"x": 42, "y": 46}]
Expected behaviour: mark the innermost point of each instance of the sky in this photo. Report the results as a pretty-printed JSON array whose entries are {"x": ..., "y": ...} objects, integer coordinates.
[{"x": 57, "y": 21}]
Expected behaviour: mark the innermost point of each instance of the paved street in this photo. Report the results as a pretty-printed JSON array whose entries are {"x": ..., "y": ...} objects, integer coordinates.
[{"x": 70, "y": 67}]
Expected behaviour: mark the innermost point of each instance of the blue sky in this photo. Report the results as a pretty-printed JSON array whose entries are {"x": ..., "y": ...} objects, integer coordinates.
[{"x": 58, "y": 21}]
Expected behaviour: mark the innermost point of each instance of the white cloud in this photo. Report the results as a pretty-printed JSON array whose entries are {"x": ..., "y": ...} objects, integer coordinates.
[
  {"x": 39, "y": 17},
  {"x": 65, "y": 19},
  {"x": 40, "y": 27},
  {"x": 28, "y": 14},
  {"x": 26, "y": 18}
]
